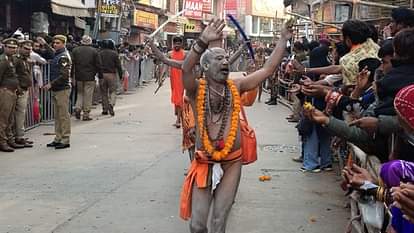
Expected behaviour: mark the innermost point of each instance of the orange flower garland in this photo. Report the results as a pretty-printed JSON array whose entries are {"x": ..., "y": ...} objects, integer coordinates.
[{"x": 229, "y": 142}]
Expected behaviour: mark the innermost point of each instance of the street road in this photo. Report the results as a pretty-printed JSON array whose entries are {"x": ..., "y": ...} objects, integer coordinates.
[{"x": 124, "y": 175}]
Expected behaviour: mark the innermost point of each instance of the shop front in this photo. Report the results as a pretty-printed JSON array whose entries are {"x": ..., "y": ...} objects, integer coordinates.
[{"x": 144, "y": 23}]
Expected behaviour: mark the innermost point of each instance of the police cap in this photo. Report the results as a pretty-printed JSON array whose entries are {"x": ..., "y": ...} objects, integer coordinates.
[
  {"x": 11, "y": 42},
  {"x": 61, "y": 38}
]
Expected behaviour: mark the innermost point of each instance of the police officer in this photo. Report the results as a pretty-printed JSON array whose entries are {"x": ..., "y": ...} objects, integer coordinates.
[
  {"x": 110, "y": 67},
  {"x": 8, "y": 88},
  {"x": 24, "y": 75},
  {"x": 60, "y": 85}
]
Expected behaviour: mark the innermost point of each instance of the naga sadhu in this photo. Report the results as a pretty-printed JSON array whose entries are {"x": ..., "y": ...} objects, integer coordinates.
[{"x": 214, "y": 175}]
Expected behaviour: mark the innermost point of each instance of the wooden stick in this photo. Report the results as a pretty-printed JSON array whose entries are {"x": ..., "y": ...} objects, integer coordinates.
[{"x": 313, "y": 20}]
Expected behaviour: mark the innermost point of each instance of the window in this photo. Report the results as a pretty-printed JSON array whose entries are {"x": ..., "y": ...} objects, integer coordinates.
[
  {"x": 265, "y": 25},
  {"x": 342, "y": 12},
  {"x": 255, "y": 25}
]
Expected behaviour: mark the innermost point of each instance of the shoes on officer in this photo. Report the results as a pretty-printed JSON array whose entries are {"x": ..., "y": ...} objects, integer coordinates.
[
  {"x": 28, "y": 141},
  {"x": 6, "y": 148},
  {"x": 14, "y": 145},
  {"x": 23, "y": 142},
  {"x": 86, "y": 118},
  {"x": 78, "y": 114},
  {"x": 53, "y": 144},
  {"x": 61, "y": 146},
  {"x": 272, "y": 102},
  {"x": 111, "y": 110}
]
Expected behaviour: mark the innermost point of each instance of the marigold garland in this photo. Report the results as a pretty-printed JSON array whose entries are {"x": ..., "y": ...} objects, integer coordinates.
[{"x": 229, "y": 142}]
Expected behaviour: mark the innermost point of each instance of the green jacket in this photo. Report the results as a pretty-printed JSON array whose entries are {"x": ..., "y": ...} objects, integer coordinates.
[{"x": 371, "y": 144}]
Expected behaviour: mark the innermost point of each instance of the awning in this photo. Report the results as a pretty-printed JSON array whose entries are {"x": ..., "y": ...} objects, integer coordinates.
[{"x": 70, "y": 8}]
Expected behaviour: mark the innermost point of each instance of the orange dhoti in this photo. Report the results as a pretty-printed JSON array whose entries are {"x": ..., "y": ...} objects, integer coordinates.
[
  {"x": 176, "y": 79},
  {"x": 199, "y": 173}
]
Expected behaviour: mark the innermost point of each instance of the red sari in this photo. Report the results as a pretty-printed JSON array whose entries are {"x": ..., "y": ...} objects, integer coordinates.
[{"x": 177, "y": 87}]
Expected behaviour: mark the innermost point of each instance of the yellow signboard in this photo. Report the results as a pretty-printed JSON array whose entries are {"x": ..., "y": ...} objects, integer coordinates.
[
  {"x": 192, "y": 26},
  {"x": 110, "y": 8},
  {"x": 145, "y": 19}
]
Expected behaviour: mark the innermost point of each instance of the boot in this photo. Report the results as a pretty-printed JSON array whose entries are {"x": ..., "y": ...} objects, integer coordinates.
[
  {"x": 23, "y": 142},
  {"x": 272, "y": 102},
  {"x": 78, "y": 114},
  {"x": 60, "y": 146},
  {"x": 111, "y": 110},
  {"x": 53, "y": 144},
  {"x": 86, "y": 118},
  {"x": 14, "y": 145},
  {"x": 28, "y": 141},
  {"x": 6, "y": 148}
]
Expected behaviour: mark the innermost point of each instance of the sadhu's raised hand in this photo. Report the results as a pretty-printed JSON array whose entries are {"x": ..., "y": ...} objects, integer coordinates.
[{"x": 213, "y": 31}]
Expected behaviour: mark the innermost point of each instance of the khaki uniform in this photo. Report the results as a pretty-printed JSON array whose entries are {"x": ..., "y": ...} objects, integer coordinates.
[
  {"x": 61, "y": 88},
  {"x": 24, "y": 75},
  {"x": 108, "y": 86},
  {"x": 86, "y": 65},
  {"x": 110, "y": 66},
  {"x": 8, "y": 88}
]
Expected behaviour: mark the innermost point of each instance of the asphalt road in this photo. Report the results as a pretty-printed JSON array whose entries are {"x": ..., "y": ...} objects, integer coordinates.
[{"x": 123, "y": 174}]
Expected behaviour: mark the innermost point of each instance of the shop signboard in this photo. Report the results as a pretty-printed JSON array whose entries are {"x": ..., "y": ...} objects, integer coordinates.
[
  {"x": 207, "y": 6},
  {"x": 231, "y": 7},
  {"x": 145, "y": 19},
  {"x": 193, "y": 26},
  {"x": 110, "y": 8},
  {"x": 194, "y": 9}
]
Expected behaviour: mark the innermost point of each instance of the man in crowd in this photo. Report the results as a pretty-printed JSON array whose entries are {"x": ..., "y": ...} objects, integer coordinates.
[
  {"x": 60, "y": 85},
  {"x": 86, "y": 65},
  {"x": 110, "y": 67},
  {"x": 24, "y": 75},
  {"x": 177, "y": 90},
  {"x": 41, "y": 47},
  {"x": 356, "y": 36},
  {"x": 402, "y": 18},
  {"x": 8, "y": 89}
]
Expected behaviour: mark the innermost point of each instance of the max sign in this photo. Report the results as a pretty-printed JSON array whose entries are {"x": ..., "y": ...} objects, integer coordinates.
[{"x": 194, "y": 9}]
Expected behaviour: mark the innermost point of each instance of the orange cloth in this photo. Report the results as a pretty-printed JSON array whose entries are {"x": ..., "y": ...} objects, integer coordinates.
[
  {"x": 188, "y": 125},
  {"x": 176, "y": 79},
  {"x": 199, "y": 173}
]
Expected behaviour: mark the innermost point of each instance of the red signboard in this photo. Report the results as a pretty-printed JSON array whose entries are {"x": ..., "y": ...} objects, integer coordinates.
[
  {"x": 207, "y": 6},
  {"x": 231, "y": 7},
  {"x": 194, "y": 9}
]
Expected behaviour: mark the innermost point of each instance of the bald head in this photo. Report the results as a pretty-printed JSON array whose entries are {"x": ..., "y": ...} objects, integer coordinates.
[
  {"x": 215, "y": 64},
  {"x": 209, "y": 54}
]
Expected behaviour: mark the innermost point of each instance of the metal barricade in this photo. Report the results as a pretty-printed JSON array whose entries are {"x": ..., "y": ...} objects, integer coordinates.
[
  {"x": 283, "y": 88},
  {"x": 44, "y": 105},
  {"x": 372, "y": 164}
]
